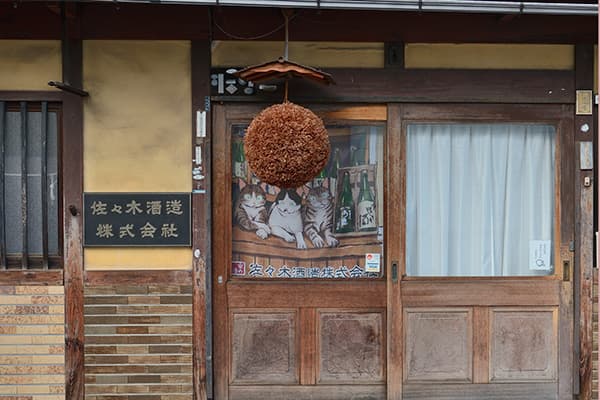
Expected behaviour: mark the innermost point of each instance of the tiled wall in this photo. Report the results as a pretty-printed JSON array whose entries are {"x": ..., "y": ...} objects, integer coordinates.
[
  {"x": 138, "y": 343},
  {"x": 32, "y": 343}
]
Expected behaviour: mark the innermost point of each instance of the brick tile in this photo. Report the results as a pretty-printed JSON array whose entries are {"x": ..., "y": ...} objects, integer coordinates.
[
  {"x": 144, "y": 379},
  {"x": 100, "y": 349},
  {"x": 116, "y": 369},
  {"x": 31, "y": 290},
  {"x": 131, "y": 289},
  {"x": 132, "y": 329},
  {"x": 158, "y": 369},
  {"x": 183, "y": 330},
  {"x": 170, "y": 349},
  {"x": 56, "y": 290},
  {"x": 160, "y": 289},
  {"x": 187, "y": 379},
  {"x": 31, "y": 369},
  {"x": 95, "y": 309},
  {"x": 183, "y": 319},
  {"x": 97, "y": 330},
  {"x": 105, "y": 300},
  {"x": 7, "y": 290},
  {"x": 41, "y": 329},
  {"x": 183, "y": 299},
  {"x": 143, "y": 300},
  {"x": 107, "y": 339},
  {"x": 31, "y": 379},
  {"x": 7, "y": 330},
  {"x": 41, "y": 389},
  {"x": 50, "y": 299},
  {"x": 31, "y": 319}
]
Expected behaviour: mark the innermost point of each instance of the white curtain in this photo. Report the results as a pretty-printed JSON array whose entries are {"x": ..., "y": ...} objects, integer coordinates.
[{"x": 477, "y": 195}]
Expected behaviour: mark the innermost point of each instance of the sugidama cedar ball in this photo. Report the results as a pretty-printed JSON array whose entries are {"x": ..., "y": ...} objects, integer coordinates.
[{"x": 286, "y": 145}]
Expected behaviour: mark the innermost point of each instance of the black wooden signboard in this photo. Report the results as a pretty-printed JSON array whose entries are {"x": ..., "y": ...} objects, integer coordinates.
[{"x": 137, "y": 219}]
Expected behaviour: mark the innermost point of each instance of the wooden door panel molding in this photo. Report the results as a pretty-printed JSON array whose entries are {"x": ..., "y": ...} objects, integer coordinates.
[
  {"x": 264, "y": 347},
  {"x": 351, "y": 346},
  {"x": 318, "y": 392},
  {"x": 438, "y": 344},
  {"x": 306, "y": 294},
  {"x": 480, "y": 292},
  {"x": 481, "y": 344},
  {"x": 523, "y": 344},
  {"x": 492, "y": 391}
]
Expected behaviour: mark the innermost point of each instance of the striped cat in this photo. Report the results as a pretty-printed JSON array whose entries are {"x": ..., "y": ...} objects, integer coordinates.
[
  {"x": 250, "y": 211},
  {"x": 318, "y": 217}
]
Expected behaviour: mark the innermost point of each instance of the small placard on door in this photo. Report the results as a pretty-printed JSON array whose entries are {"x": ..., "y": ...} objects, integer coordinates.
[
  {"x": 372, "y": 262},
  {"x": 539, "y": 255}
]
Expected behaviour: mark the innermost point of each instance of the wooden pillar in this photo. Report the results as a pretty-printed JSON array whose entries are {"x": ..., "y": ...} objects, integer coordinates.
[
  {"x": 201, "y": 218},
  {"x": 72, "y": 176},
  {"x": 584, "y": 231}
]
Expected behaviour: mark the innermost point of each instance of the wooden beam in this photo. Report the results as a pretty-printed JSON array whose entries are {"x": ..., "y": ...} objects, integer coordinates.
[
  {"x": 426, "y": 86},
  {"x": 138, "y": 277},
  {"x": 584, "y": 235},
  {"x": 161, "y": 21},
  {"x": 72, "y": 177},
  {"x": 201, "y": 221},
  {"x": 32, "y": 277}
]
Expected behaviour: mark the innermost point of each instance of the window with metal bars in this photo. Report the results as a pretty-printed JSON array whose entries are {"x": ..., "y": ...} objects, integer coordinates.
[{"x": 30, "y": 195}]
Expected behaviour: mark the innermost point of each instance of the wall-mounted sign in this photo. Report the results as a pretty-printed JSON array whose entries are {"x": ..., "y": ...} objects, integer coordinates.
[{"x": 137, "y": 219}]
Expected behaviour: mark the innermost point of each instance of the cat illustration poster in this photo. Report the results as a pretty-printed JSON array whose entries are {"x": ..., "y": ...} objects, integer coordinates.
[{"x": 320, "y": 230}]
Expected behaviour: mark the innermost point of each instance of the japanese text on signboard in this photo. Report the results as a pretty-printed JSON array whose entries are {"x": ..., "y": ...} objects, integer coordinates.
[{"x": 137, "y": 219}]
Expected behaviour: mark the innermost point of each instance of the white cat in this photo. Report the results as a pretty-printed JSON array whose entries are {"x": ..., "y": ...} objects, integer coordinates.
[{"x": 285, "y": 217}]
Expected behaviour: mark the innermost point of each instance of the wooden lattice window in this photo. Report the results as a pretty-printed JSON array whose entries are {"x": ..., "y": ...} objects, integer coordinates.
[{"x": 30, "y": 194}]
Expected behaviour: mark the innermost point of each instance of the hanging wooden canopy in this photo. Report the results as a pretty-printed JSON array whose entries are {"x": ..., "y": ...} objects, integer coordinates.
[{"x": 282, "y": 68}]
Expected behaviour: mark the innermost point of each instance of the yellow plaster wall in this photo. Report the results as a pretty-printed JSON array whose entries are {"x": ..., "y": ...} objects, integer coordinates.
[
  {"x": 489, "y": 56},
  {"x": 318, "y": 54},
  {"x": 29, "y": 64},
  {"x": 137, "y": 133}
]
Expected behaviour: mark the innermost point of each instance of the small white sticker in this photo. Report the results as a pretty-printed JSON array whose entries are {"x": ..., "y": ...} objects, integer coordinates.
[
  {"x": 200, "y": 124},
  {"x": 539, "y": 255},
  {"x": 380, "y": 233},
  {"x": 372, "y": 262}
]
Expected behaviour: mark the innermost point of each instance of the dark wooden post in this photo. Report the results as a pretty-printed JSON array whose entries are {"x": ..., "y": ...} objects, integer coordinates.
[
  {"x": 201, "y": 215},
  {"x": 72, "y": 175},
  {"x": 584, "y": 231}
]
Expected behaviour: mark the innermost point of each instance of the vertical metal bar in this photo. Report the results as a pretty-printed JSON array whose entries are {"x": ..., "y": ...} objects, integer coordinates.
[
  {"x": 44, "y": 184},
  {"x": 2, "y": 178},
  {"x": 24, "y": 252}
]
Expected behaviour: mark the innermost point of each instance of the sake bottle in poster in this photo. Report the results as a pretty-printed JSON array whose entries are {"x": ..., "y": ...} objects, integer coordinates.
[
  {"x": 366, "y": 205},
  {"x": 335, "y": 165},
  {"x": 318, "y": 181},
  {"x": 239, "y": 160},
  {"x": 344, "y": 213}
]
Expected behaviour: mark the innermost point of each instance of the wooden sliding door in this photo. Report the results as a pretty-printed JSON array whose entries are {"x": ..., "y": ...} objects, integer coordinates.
[
  {"x": 299, "y": 288},
  {"x": 481, "y": 305}
]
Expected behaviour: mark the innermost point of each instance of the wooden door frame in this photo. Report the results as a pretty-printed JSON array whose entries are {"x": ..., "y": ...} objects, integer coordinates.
[{"x": 394, "y": 193}]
